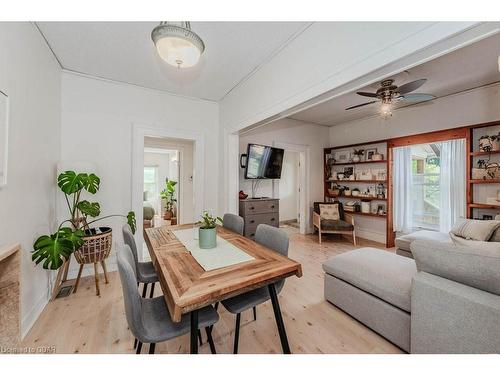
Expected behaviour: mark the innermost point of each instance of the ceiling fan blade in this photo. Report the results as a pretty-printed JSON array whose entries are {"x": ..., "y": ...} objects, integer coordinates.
[
  {"x": 369, "y": 94},
  {"x": 416, "y": 98},
  {"x": 361, "y": 105},
  {"x": 411, "y": 86}
]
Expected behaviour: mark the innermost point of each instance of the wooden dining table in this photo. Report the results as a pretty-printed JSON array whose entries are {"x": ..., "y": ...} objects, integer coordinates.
[{"x": 187, "y": 287}]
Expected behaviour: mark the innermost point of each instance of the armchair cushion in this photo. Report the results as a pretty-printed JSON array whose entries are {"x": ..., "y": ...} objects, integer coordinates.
[
  {"x": 339, "y": 225},
  {"x": 329, "y": 211},
  {"x": 340, "y": 207},
  {"x": 475, "y": 267}
]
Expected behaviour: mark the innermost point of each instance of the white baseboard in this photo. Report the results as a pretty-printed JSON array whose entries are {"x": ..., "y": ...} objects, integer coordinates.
[
  {"x": 370, "y": 235},
  {"x": 31, "y": 317}
]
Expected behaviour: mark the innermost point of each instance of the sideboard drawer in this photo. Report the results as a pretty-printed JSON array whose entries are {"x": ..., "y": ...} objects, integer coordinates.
[{"x": 260, "y": 207}]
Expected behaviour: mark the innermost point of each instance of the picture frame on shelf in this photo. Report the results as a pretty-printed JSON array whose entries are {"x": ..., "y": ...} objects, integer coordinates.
[
  {"x": 348, "y": 171},
  {"x": 365, "y": 175},
  {"x": 342, "y": 156},
  {"x": 369, "y": 153}
]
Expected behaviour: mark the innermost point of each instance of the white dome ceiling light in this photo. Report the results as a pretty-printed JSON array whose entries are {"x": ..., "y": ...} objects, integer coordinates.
[{"x": 177, "y": 44}]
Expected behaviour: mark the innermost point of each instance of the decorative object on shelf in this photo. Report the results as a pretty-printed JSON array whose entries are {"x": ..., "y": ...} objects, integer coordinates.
[
  {"x": 486, "y": 170},
  {"x": 347, "y": 191},
  {"x": 330, "y": 161},
  {"x": 168, "y": 194},
  {"x": 242, "y": 195},
  {"x": 177, "y": 44},
  {"x": 381, "y": 191},
  {"x": 342, "y": 156},
  {"x": 381, "y": 175},
  {"x": 4, "y": 137},
  {"x": 377, "y": 157},
  {"x": 208, "y": 230},
  {"x": 488, "y": 143},
  {"x": 89, "y": 245},
  {"x": 369, "y": 153},
  {"x": 487, "y": 217},
  {"x": 365, "y": 206},
  {"x": 380, "y": 209},
  {"x": 355, "y": 192},
  {"x": 340, "y": 176},
  {"x": 357, "y": 155},
  {"x": 365, "y": 175},
  {"x": 348, "y": 172}
]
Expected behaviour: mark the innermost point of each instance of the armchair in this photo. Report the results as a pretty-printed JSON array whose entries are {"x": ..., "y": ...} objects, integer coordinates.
[{"x": 343, "y": 225}]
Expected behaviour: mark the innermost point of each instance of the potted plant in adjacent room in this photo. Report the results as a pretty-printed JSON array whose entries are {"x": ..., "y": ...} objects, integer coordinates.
[
  {"x": 208, "y": 231},
  {"x": 168, "y": 194},
  {"x": 76, "y": 234}
]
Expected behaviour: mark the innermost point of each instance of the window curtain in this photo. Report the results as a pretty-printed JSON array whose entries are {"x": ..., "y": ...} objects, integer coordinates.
[
  {"x": 402, "y": 182},
  {"x": 452, "y": 176}
]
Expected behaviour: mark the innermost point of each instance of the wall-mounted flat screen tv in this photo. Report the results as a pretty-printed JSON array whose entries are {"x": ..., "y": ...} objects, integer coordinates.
[{"x": 263, "y": 162}]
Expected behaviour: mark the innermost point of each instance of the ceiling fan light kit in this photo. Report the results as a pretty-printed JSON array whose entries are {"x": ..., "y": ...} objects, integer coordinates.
[
  {"x": 389, "y": 93},
  {"x": 177, "y": 44}
]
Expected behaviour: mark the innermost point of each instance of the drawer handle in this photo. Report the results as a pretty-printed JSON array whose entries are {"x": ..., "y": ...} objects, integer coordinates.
[
  {"x": 252, "y": 207},
  {"x": 272, "y": 206},
  {"x": 252, "y": 234},
  {"x": 273, "y": 219},
  {"x": 252, "y": 221}
]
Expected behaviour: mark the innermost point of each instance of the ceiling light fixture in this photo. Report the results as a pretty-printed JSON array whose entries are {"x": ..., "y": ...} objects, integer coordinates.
[
  {"x": 177, "y": 44},
  {"x": 386, "y": 110}
]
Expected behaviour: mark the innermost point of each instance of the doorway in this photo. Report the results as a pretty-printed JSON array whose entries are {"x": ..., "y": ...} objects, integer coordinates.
[{"x": 289, "y": 191}]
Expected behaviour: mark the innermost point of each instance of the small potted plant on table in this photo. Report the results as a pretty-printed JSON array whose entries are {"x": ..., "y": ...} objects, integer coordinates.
[{"x": 208, "y": 231}]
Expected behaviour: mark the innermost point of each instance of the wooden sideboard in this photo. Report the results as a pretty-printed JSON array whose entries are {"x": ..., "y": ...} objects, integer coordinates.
[
  {"x": 10, "y": 265},
  {"x": 259, "y": 211}
]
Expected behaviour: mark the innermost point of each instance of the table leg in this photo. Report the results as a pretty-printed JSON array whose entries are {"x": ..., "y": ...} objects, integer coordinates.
[
  {"x": 194, "y": 332},
  {"x": 279, "y": 319}
]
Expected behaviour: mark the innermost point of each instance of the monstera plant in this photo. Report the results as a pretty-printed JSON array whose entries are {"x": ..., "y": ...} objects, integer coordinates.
[{"x": 55, "y": 248}]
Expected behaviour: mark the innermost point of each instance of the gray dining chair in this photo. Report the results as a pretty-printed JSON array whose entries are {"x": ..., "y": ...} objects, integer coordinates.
[
  {"x": 234, "y": 223},
  {"x": 146, "y": 273},
  {"x": 148, "y": 318},
  {"x": 272, "y": 238}
]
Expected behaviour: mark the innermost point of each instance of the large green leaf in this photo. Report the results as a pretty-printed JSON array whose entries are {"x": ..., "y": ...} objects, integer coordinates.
[
  {"x": 70, "y": 182},
  {"x": 91, "y": 183},
  {"x": 56, "y": 248},
  {"x": 131, "y": 221},
  {"x": 89, "y": 209}
]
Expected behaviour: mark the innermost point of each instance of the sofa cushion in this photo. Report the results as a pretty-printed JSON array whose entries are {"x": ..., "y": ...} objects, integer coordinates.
[
  {"x": 478, "y": 267},
  {"x": 405, "y": 241},
  {"x": 378, "y": 272},
  {"x": 329, "y": 211},
  {"x": 479, "y": 230},
  {"x": 336, "y": 225}
]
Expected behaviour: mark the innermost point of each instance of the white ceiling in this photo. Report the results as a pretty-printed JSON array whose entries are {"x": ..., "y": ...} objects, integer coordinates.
[
  {"x": 463, "y": 69},
  {"x": 123, "y": 51}
]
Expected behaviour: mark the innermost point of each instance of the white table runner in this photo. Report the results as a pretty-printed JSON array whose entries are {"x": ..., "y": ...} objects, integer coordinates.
[{"x": 223, "y": 255}]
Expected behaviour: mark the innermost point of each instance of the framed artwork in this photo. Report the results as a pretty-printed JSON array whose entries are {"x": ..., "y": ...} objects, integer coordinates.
[
  {"x": 343, "y": 156},
  {"x": 369, "y": 153},
  {"x": 4, "y": 137}
]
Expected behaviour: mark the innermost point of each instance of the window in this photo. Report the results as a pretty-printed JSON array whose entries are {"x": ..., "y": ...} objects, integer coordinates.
[
  {"x": 150, "y": 183},
  {"x": 426, "y": 185}
]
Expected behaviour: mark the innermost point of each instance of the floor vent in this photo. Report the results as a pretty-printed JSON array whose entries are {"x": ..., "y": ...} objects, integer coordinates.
[{"x": 64, "y": 291}]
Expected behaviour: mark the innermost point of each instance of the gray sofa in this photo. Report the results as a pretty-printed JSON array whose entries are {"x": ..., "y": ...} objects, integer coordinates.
[{"x": 447, "y": 300}]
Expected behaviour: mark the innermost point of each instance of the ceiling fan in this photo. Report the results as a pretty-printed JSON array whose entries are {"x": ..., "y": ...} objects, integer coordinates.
[{"x": 389, "y": 93}]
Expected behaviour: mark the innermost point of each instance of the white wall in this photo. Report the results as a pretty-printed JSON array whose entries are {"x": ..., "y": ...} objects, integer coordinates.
[
  {"x": 97, "y": 118},
  {"x": 476, "y": 106},
  {"x": 30, "y": 75},
  {"x": 294, "y": 132},
  {"x": 288, "y": 187}
]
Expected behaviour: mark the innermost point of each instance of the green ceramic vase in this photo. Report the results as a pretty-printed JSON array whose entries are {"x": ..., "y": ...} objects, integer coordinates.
[{"x": 208, "y": 238}]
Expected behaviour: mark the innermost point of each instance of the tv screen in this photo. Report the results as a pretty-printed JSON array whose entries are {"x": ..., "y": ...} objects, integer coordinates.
[{"x": 263, "y": 162}]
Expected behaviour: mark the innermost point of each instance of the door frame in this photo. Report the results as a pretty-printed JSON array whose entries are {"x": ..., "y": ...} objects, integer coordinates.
[
  {"x": 139, "y": 131},
  {"x": 304, "y": 176}
]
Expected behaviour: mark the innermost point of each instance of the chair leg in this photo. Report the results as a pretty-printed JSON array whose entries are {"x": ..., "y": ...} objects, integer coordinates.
[
  {"x": 139, "y": 348},
  {"x": 237, "y": 333},
  {"x": 216, "y": 306},
  {"x": 255, "y": 313},
  {"x": 105, "y": 271},
  {"x": 144, "y": 290},
  {"x": 78, "y": 278},
  {"x": 152, "y": 290},
  {"x": 135, "y": 343},
  {"x": 200, "y": 339},
  {"x": 354, "y": 237},
  {"x": 152, "y": 348},
  {"x": 96, "y": 272},
  {"x": 210, "y": 340},
  {"x": 319, "y": 234}
]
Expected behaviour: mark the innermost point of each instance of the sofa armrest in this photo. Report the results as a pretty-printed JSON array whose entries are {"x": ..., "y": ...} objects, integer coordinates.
[
  {"x": 316, "y": 220},
  {"x": 449, "y": 317}
]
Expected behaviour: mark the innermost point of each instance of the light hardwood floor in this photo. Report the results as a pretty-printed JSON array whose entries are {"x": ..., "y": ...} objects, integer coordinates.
[{"x": 85, "y": 323}]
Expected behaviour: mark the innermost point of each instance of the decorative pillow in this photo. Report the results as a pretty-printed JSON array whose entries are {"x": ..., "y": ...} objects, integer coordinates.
[
  {"x": 496, "y": 236},
  {"x": 329, "y": 211},
  {"x": 478, "y": 230}
]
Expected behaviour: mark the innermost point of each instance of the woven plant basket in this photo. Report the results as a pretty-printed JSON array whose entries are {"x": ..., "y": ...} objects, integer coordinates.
[{"x": 96, "y": 248}]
